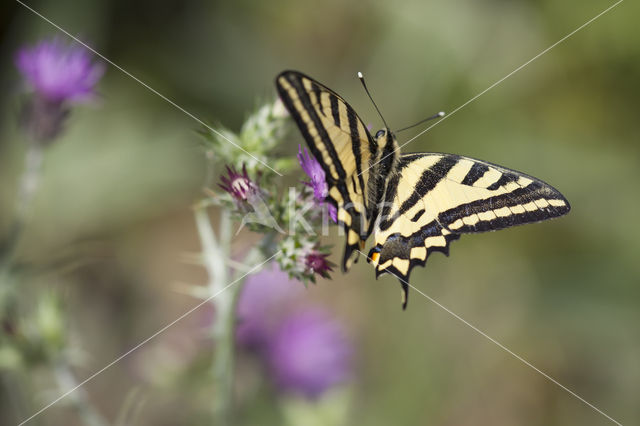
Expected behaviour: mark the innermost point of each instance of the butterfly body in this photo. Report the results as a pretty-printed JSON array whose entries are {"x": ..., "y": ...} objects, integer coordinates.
[
  {"x": 413, "y": 204},
  {"x": 382, "y": 165}
]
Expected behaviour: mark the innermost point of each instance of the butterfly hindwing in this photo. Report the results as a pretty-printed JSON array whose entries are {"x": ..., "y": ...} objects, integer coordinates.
[
  {"x": 342, "y": 145},
  {"x": 433, "y": 198}
]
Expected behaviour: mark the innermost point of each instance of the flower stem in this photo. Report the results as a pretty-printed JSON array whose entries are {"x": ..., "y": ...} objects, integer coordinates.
[
  {"x": 26, "y": 191},
  {"x": 27, "y": 188},
  {"x": 28, "y": 185},
  {"x": 215, "y": 252},
  {"x": 80, "y": 399},
  {"x": 214, "y": 255}
]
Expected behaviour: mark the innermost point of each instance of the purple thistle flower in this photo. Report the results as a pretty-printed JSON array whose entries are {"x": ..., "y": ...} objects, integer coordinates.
[
  {"x": 239, "y": 185},
  {"x": 310, "y": 353},
  {"x": 264, "y": 299},
  {"x": 58, "y": 72},
  {"x": 318, "y": 183},
  {"x": 313, "y": 169},
  {"x": 318, "y": 263}
]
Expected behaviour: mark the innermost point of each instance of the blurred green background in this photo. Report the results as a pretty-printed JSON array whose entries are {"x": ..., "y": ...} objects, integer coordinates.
[{"x": 114, "y": 205}]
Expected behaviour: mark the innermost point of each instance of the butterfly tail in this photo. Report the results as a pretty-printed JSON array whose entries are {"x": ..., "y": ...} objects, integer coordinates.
[
  {"x": 351, "y": 255},
  {"x": 404, "y": 294}
]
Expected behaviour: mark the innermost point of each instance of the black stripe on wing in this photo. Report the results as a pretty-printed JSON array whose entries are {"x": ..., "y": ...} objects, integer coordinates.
[
  {"x": 476, "y": 172},
  {"x": 335, "y": 112}
]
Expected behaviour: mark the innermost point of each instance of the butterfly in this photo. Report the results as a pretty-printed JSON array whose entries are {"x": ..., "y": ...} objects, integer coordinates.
[{"x": 413, "y": 204}]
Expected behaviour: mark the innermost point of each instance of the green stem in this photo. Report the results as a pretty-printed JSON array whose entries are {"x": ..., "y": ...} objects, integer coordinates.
[
  {"x": 80, "y": 400},
  {"x": 27, "y": 186},
  {"x": 214, "y": 254},
  {"x": 26, "y": 191}
]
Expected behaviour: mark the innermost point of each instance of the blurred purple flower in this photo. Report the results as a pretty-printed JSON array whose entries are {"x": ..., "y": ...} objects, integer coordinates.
[
  {"x": 310, "y": 353},
  {"x": 318, "y": 263},
  {"x": 59, "y": 72},
  {"x": 318, "y": 183},
  {"x": 239, "y": 185},
  {"x": 264, "y": 299}
]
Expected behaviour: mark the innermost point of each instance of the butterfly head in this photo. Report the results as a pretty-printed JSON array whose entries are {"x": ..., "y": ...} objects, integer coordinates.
[{"x": 386, "y": 140}]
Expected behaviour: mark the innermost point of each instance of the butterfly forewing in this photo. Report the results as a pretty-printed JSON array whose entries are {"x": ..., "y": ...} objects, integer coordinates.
[
  {"x": 434, "y": 198},
  {"x": 342, "y": 145}
]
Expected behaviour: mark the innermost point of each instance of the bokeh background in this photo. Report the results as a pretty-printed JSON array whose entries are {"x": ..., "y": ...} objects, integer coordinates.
[{"x": 113, "y": 213}]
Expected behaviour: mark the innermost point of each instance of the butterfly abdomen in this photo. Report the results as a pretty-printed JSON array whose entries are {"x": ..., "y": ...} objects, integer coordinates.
[{"x": 383, "y": 164}]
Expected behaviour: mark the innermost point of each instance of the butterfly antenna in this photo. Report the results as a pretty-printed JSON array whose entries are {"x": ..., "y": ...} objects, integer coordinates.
[
  {"x": 361, "y": 77},
  {"x": 438, "y": 115}
]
